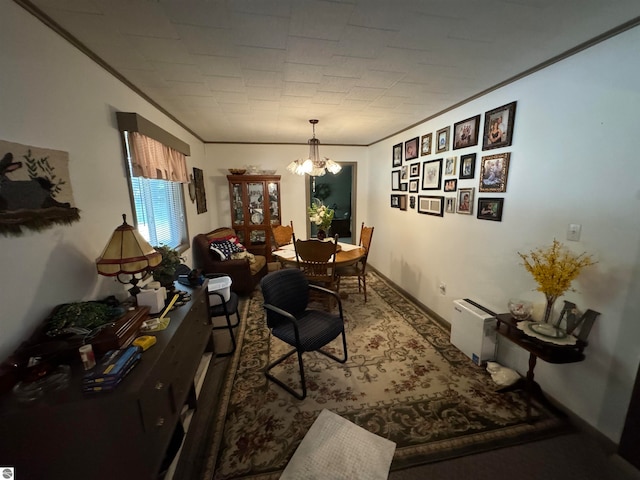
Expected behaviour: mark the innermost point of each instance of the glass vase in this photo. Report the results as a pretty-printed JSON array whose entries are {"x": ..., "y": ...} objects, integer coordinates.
[{"x": 548, "y": 310}]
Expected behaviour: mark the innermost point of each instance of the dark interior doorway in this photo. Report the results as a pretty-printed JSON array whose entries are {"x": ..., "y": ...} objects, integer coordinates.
[{"x": 337, "y": 192}]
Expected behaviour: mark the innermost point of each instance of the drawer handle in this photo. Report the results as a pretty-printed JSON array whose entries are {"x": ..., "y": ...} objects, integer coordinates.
[
  {"x": 159, "y": 386},
  {"x": 160, "y": 422}
]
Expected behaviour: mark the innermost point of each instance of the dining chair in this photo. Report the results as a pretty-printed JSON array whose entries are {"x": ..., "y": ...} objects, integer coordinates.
[
  {"x": 358, "y": 269},
  {"x": 317, "y": 259},
  {"x": 282, "y": 234},
  {"x": 290, "y": 319}
]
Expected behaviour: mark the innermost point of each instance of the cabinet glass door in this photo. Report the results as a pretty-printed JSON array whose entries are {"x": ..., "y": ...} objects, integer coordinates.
[
  {"x": 274, "y": 197},
  {"x": 255, "y": 194},
  {"x": 238, "y": 207}
]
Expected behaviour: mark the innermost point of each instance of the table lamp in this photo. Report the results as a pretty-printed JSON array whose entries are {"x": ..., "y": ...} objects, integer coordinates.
[{"x": 127, "y": 253}]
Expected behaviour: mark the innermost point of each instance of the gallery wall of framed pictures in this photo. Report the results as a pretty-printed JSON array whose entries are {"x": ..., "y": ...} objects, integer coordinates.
[{"x": 464, "y": 162}]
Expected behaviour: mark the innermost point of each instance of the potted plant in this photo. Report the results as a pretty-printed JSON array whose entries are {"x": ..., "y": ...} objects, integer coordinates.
[{"x": 165, "y": 272}]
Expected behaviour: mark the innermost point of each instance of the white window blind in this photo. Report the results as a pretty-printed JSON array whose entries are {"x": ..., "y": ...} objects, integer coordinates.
[{"x": 159, "y": 208}]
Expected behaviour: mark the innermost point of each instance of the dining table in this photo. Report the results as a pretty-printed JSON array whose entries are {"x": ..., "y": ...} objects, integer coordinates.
[{"x": 347, "y": 254}]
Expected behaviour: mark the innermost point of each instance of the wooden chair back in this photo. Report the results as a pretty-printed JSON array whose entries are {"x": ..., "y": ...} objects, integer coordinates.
[
  {"x": 317, "y": 260},
  {"x": 282, "y": 234}
]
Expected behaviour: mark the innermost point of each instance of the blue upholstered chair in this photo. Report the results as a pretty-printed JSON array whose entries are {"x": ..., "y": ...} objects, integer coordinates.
[{"x": 290, "y": 319}]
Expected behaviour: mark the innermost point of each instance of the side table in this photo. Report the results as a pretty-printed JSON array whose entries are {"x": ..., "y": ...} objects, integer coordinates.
[{"x": 507, "y": 326}]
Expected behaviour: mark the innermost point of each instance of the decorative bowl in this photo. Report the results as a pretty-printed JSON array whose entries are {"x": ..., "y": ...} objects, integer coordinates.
[
  {"x": 268, "y": 172},
  {"x": 237, "y": 171},
  {"x": 520, "y": 309}
]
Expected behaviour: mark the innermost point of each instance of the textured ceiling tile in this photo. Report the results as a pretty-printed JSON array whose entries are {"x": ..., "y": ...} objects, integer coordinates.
[{"x": 367, "y": 69}]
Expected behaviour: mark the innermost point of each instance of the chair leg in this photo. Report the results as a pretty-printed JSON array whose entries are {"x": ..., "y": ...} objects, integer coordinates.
[
  {"x": 364, "y": 285},
  {"x": 229, "y": 326},
  {"x": 284, "y": 385}
]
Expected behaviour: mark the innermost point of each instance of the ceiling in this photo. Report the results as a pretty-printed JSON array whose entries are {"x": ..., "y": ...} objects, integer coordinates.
[{"x": 258, "y": 70}]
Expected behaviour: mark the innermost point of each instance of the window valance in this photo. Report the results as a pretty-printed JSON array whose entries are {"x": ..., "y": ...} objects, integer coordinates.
[{"x": 152, "y": 159}]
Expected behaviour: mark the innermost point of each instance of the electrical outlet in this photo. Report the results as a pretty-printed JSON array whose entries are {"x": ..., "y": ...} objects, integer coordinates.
[
  {"x": 573, "y": 232},
  {"x": 443, "y": 288}
]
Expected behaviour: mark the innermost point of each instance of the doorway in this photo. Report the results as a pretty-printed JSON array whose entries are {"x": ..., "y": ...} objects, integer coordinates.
[{"x": 336, "y": 192}]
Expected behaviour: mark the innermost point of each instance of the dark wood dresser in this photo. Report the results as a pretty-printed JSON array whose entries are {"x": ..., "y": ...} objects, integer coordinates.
[{"x": 123, "y": 434}]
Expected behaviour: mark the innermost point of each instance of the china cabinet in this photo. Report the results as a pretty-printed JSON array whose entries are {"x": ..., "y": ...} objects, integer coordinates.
[{"x": 255, "y": 208}]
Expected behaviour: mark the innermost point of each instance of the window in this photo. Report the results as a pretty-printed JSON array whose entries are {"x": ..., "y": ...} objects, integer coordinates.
[
  {"x": 159, "y": 211},
  {"x": 158, "y": 207}
]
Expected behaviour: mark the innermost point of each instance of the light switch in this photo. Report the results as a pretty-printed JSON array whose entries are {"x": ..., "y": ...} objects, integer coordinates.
[{"x": 573, "y": 232}]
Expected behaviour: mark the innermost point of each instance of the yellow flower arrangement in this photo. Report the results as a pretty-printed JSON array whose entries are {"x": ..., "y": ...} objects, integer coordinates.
[{"x": 554, "y": 268}]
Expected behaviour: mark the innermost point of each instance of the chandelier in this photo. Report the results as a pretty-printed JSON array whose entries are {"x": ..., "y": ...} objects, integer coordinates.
[{"x": 313, "y": 165}]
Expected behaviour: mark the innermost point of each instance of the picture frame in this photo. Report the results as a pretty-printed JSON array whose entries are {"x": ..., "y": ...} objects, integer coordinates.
[
  {"x": 450, "y": 165},
  {"x": 395, "y": 201},
  {"x": 404, "y": 172},
  {"x": 414, "y": 169},
  {"x": 467, "y": 166},
  {"x": 450, "y": 204},
  {"x": 396, "y": 158},
  {"x": 498, "y": 126},
  {"x": 425, "y": 148},
  {"x": 403, "y": 186},
  {"x": 395, "y": 179},
  {"x": 494, "y": 171},
  {"x": 431, "y": 205},
  {"x": 451, "y": 185},
  {"x": 411, "y": 149},
  {"x": 465, "y": 132},
  {"x": 413, "y": 186},
  {"x": 412, "y": 201},
  {"x": 442, "y": 139},
  {"x": 490, "y": 208},
  {"x": 431, "y": 174},
  {"x": 465, "y": 201},
  {"x": 402, "y": 202}
]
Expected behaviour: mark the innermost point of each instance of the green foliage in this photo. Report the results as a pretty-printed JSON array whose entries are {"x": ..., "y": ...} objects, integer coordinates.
[{"x": 165, "y": 272}]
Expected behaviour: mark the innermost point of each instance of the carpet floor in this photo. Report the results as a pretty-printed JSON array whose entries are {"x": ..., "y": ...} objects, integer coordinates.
[{"x": 403, "y": 381}]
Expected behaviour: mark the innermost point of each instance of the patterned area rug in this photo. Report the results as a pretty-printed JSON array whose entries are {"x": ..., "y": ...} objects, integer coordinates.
[{"x": 403, "y": 381}]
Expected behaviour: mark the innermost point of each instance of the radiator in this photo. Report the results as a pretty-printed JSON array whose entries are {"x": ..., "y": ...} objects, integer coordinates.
[{"x": 473, "y": 330}]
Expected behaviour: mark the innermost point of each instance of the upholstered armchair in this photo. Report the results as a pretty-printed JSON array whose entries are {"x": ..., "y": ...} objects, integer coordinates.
[{"x": 245, "y": 272}]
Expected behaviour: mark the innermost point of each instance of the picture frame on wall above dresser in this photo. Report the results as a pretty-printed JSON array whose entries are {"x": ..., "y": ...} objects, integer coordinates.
[
  {"x": 396, "y": 159},
  {"x": 465, "y": 132},
  {"x": 467, "y": 166},
  {"x": 442, "y": 140},
  {"x": 411, "y": 149},
  {"x": 498, "y": 126},
  {"x": 425, "y": 148},
  {"x": 494, "y": 170}
]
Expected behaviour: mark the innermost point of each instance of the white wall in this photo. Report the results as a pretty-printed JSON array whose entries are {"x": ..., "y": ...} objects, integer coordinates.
[
  {"x": 573, "y": 160},
  {"x": 55, "y": 97}
]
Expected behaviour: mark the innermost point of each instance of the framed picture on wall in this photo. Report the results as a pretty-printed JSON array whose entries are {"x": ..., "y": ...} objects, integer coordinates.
[
  {"x": 442, "y": 140},
  {"x": 402, "y": 202},
  {"x": 493, "y": 173},
  {"x": 426, "y": 144},
  {"x": 450, "y": 165},
  {"x": 395, "y": 179},
  {"x": 451, "y": 185},
  {"x": 397, "y": 155},
  {"x": 498, "y": 126},
  {"x": 467, "y": 166},
  {"x": 465, "y": 133},
  {"x": 490, "y": 208},
  {"x": 465, "y": 201},
  {"x": 414, "y": 169},
  {"x": 411, "y": 149},
  {"x": 395, "y": 201},
  {"x": 431, "y": 174},
  {"x": 413, "y": 186},
  {"x": 412, "y": 201},
  {"x": 431, "y": 205},
  {"x": 450, "y": 204}
]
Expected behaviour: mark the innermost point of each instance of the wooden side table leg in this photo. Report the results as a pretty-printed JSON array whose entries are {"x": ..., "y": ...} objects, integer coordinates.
[{"x": 530, "y": 383}]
